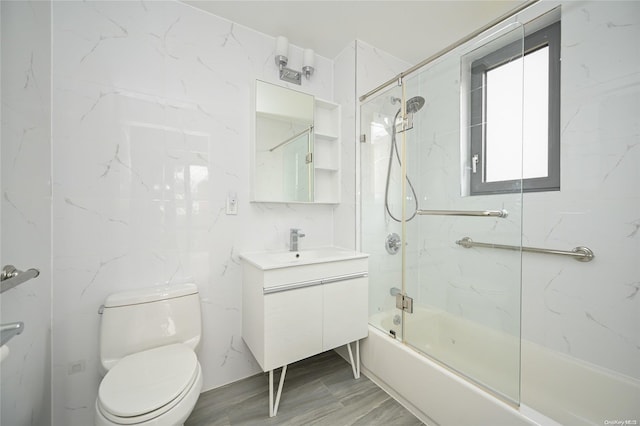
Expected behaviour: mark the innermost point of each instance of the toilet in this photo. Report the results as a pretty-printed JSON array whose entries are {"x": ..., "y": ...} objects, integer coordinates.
[{"x": 148, "y": 340}]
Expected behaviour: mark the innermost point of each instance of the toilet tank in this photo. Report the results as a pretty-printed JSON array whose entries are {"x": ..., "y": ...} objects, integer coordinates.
[{"x": 137, "y": 320}]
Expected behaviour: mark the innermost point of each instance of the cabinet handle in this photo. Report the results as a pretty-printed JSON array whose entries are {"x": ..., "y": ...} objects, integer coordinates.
[
  {"x": 311, "y": 283},
  {"x": 345, "y": 277},
  {"x": 293, "y": 286}
]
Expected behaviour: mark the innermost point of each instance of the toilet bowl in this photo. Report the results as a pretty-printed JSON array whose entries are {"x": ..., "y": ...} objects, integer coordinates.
[
  {"x": 153, "y": 376},
  {"x": 155, "y": 387}
]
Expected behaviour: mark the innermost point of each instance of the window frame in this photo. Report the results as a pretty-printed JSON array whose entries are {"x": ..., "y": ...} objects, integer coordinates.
[{"x": 547, "y": 36}]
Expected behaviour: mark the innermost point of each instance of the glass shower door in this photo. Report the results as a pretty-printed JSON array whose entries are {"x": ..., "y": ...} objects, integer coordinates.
[
  {"x": 466, "y": 300},
  {"x": 381, "y": 194}
]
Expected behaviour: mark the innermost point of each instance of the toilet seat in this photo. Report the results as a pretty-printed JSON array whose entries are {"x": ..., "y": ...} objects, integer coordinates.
[{"x": 148, "y": 384}]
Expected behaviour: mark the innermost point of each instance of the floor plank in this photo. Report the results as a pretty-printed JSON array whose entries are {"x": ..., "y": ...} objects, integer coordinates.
[{"x": 318, "y": 391}]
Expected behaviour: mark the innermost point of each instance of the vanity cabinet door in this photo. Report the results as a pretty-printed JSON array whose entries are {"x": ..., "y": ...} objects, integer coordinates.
[
  {"x": 345, "y": 312},
  {"x": 293, "y": 325}
]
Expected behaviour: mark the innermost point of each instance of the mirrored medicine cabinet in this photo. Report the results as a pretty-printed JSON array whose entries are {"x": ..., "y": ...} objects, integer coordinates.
[{"x": 296, "y": 147}]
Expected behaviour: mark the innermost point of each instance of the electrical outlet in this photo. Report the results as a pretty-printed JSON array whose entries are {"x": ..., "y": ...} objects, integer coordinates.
[{"x": 232, "y": 203}]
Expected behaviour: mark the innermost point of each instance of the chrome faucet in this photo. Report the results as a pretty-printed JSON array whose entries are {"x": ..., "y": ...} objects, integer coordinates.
[{"x": 294, "y": 234}]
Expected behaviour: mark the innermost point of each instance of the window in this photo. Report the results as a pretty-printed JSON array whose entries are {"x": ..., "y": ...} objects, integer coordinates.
[{"x": 513, "y": 95}]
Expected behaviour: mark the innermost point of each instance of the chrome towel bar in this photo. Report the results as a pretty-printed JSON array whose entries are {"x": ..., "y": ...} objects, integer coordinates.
[
  {"x": 485, "y": 213},
  {"x": 11, "y": 277},
  {"x": 581, "y": 254}
]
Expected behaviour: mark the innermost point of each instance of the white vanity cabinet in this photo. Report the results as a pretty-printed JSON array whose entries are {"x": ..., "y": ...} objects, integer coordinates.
[
  {"x": 297, "y": 307},
  {"x": 293, "y": 312},
  {"x": 288, "y": 329}
]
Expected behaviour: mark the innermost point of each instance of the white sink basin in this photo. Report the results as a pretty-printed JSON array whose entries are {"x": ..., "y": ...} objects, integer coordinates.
[{"x": 283, "y": 259}]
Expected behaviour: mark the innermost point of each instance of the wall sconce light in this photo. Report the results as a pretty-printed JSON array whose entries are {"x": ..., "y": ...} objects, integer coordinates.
[{"x": 281, "y": 58}]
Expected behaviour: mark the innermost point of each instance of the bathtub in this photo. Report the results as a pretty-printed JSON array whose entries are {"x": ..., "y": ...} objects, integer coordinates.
[{"x": 571, "y": 391}]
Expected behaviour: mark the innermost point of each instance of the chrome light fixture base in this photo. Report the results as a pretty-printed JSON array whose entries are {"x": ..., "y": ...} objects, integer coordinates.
[
  {"x": 291, "y": 76},
  {"x": 287, "y": 74}
]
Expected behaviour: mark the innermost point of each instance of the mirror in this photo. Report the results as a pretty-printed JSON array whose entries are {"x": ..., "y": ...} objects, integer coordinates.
[{"x": 283, "y": 150}]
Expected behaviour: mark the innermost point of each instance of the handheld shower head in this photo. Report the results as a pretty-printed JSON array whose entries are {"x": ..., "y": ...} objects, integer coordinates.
[{"x": 413, "y": 105}]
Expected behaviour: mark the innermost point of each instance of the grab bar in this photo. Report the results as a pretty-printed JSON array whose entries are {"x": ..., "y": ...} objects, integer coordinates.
[
  {"x": 485, "y": 213},
  {"x": 11, "y": 277},
  {"x": 307, "y": 130},
  {"x": 580, "y": 253},
  {"x": 7, "y": 331}
]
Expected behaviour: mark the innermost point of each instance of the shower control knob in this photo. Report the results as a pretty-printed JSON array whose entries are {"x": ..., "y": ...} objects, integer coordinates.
[{"x": 393, "y": 243}]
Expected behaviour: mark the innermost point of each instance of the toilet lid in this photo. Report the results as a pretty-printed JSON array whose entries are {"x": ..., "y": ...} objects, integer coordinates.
[{"x": 145, "y": 381}]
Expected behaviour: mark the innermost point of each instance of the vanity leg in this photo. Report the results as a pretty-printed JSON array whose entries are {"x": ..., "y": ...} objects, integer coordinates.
[
  {"x": 273, "y": 407},
  {"x": 271, "y": 393},
  {"x": 358, "y": 356},
  {"x": 355, "y": 366}
]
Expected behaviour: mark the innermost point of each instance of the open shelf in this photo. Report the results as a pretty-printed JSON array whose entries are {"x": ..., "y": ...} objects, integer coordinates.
[{"x": 326, "y": 151}]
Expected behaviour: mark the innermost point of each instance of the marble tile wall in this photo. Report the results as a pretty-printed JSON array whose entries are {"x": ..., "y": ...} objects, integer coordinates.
[
  {"x": 591, "y": 311},
  {"x": 150, "y": 133},
  {"x": 25, "y": 209},
  {"x": 345, "y": 94}
]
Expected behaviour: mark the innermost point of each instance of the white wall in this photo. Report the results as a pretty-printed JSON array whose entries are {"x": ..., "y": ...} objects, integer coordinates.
[
  {"x": 344, "y": 71},
  {"x": 151, "y": 131},
  {"x": 25, "y": 376}
]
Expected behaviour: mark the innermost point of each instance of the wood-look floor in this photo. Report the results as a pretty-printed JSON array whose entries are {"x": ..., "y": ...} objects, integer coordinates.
[{"x": 317, "y": 391}]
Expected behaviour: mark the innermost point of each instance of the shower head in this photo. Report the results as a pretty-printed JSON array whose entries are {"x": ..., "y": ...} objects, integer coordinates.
[{"x": 413, "y": 105}]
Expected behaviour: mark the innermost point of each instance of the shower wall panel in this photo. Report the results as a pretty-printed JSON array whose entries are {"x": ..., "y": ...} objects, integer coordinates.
[{"x": 589, "y": 312}]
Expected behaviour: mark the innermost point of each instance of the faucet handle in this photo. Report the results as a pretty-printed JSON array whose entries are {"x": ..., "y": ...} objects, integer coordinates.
[{"x": 296, "y": 231}]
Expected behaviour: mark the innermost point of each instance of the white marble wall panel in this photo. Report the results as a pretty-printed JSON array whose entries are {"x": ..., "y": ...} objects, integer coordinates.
[
  {"x": 151, "y": 132},
  {"x": 587, "y": 310},
  {"x": 26, "y": 209},
  {"x": 345, "y": 94}
]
